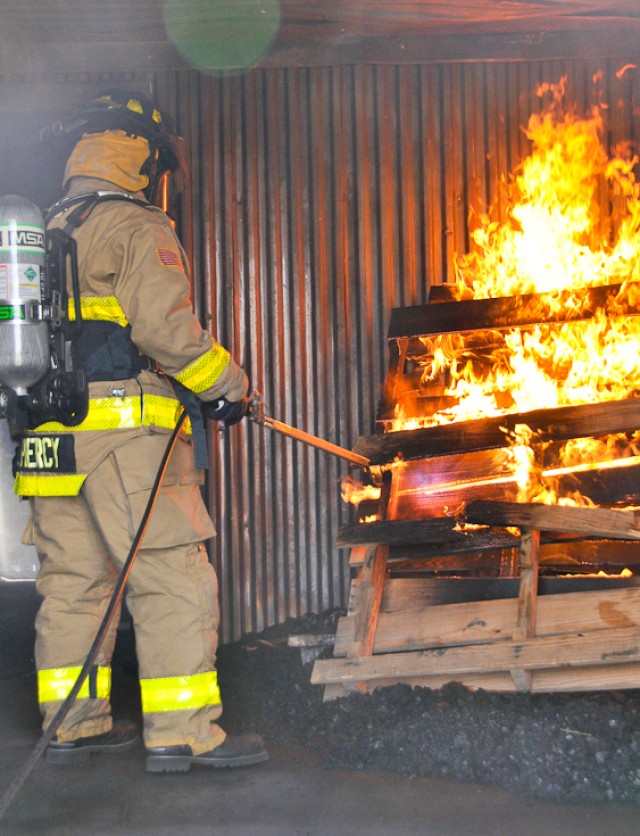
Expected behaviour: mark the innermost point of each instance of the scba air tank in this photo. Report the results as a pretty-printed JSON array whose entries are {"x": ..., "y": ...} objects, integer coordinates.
[{"x": 24, "y": 337}]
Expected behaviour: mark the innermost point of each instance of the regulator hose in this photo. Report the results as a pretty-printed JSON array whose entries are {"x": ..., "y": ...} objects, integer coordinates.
[{"x": 116, "y": 598}]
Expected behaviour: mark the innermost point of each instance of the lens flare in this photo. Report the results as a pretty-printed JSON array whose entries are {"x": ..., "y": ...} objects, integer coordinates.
[{"x": 217, "y": 36}]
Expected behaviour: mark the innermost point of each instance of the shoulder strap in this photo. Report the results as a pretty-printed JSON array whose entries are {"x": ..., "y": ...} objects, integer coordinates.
[{"x": 85, "y": 204}]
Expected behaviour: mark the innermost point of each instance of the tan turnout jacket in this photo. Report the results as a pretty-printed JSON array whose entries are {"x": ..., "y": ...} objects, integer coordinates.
[{"x": 132, "y": 269}]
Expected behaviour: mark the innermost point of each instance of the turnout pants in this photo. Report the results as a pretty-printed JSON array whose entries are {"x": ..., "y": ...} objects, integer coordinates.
[{"x": 82, "y": 542}]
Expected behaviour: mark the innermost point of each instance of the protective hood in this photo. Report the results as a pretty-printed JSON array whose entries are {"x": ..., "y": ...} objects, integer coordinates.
[{"x": 113, "y": 156}]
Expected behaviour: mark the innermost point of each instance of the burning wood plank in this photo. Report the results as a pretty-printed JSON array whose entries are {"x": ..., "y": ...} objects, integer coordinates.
[
  {"x": 388, "y": 532},
  {"x": 593, "y": 522},
  {"x": 511, "y": 311},
  {"x": 423, "y": 490},
  {"x": 558, "y": 424}
]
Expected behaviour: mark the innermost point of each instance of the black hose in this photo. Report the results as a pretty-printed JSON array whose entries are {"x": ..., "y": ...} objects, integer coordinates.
[{"x": 62, "y": 712}]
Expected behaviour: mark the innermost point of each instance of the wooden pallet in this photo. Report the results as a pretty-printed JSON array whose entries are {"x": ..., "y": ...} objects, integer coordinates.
[
  {"x": 575, "y": 641},
  {"x": 444, "y": 475}
]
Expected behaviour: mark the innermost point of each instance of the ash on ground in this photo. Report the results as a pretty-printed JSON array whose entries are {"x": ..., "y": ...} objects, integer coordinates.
[{"x": 563, "y": 747}]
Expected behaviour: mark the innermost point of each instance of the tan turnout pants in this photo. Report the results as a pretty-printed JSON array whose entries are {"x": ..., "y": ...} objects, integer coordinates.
[{"x": 82, "y": 542}]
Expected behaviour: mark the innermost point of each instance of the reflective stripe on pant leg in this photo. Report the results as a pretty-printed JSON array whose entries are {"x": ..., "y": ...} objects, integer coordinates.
[
  {"x": 180, "y": 693},
  {"x": 76, "y": 580},
  {"x": 172, "y": 589},
  {"x": 177, "y": 635},
  {"x": 55, "y": 684}
]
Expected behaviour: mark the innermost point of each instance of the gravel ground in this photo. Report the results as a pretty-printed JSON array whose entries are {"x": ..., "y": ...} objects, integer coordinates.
[{"x": 562, "y": 747}]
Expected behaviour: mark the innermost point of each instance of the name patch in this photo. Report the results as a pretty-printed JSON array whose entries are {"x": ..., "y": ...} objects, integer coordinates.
[{"x": 46, "y": 454}]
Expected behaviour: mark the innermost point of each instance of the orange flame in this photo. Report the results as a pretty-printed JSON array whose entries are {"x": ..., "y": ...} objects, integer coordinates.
[
  {"x": 356, "y": 492},
  {"x": 555, "y": 236},
  {"x": 573, "y": 222}
]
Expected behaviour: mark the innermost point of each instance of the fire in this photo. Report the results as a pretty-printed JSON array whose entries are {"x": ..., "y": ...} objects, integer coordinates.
[
  {"x": 357, "y": 492},
  {"x": 555, "y": 239},
  {"x": 555, "y": 236},
  {"x": 572, "y": 223},
  {"x": 542, "y": 366}
]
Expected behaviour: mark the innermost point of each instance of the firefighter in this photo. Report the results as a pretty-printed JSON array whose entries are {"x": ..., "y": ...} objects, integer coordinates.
[{"x": 144, "y": 354}]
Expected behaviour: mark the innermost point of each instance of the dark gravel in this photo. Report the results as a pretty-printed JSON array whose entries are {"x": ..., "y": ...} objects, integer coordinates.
[{"x": 562, "y": 747}]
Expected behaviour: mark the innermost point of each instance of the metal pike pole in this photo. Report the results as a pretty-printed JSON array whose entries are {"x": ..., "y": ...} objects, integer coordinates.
[{"x": 258, "y": 415}]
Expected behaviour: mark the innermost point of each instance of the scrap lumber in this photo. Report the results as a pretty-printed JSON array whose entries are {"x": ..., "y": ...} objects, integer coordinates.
[
  {"x": 482, "y": 622},
  {"x": 389, "y": 532},
  {"x": 416, "y": 593},
  {"x": 527, "y": 602},
  {"x": 477, "y": 549},
  {"x": 593, "y": 522},
  {"x": 602, "y": 647},
  {"x": 604, "y": 487},
  {"x": 449, "y": 504},
  {"x": 370, "y": 595},
  {"x": 445, "y": 531},
  {"x": 558, "y": 424},
  {"x": 367, "y": 609},
  {"x": 555, "y": 680},
  {"x": 505, "y": 312}
]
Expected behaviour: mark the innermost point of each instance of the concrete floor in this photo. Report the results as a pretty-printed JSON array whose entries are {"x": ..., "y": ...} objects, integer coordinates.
[{"x": 291, "y": 794}]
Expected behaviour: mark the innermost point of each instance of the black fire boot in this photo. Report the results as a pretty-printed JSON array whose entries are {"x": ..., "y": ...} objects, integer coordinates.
[
  {"x": 242, "y": 750},
  {"x": 122, "y": 737}
]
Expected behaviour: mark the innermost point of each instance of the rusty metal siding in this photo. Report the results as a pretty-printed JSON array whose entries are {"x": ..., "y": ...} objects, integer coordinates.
[{"x": 321, "y": 198}]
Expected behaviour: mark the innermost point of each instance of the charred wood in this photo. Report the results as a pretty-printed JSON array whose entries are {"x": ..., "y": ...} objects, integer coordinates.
[
  {"x": 390, "y": 532},
  {"x": 594, "y": 522},
  {"x": 511, "y": 311},
  {"x": 557, "y": 424}
]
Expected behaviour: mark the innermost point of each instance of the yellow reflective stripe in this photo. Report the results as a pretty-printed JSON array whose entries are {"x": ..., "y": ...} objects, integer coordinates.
[
  {"x": 56, "y": 684},
  {"x": 103, "y": 308},
  {"x": 179, "y": 693},
  {"x": 48, "y": 484},
  {"x": 163, "y": 412},
  {"x": 203, "y": 372},
  {"x": 125, "y": 414},
  {"x": 103, "y": 414}
]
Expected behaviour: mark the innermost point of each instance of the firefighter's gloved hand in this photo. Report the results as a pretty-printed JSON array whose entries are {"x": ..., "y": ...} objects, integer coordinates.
[{"x": 231, "y": 412}]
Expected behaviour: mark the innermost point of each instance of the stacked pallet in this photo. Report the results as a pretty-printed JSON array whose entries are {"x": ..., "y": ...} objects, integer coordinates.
[
  {"x": 448, "y": 514},
  {"x": 569, "y": 641}
]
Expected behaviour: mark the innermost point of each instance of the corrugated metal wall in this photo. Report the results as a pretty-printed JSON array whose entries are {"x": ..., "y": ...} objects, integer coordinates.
[{"x": 321, "y": 198}]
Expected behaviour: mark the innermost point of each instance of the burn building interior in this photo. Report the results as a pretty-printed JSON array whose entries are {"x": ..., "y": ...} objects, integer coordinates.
[{"x": 339, "y": 159}]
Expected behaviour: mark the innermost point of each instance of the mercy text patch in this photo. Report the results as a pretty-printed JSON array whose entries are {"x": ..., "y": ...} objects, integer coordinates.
[{"x": 46, "y": 454}]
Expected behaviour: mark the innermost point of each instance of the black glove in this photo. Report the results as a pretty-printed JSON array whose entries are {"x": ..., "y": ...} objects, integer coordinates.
[{"x": 231, "y": 412}]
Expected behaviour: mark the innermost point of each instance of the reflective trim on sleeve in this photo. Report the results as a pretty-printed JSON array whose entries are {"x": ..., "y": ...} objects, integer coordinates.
[
  {"x": 48, "y": 484},
  {"x": 55, "y": 684},
  {"x": 103, "y": 308},
  {"x": 203, "y": 372},
  {"x": 179, "y": 693},
  {"x": 125, "y": 414}
]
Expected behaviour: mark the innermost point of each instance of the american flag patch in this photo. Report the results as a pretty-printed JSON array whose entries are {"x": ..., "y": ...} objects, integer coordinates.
[{"x": 170, "y": 258}]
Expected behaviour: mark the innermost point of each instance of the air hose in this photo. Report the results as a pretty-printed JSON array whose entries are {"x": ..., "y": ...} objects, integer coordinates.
[{"x": 116, "y": 598}]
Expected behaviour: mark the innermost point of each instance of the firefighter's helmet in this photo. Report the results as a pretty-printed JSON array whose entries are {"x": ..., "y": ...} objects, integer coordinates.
[{"x": 122, "y": 110}]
